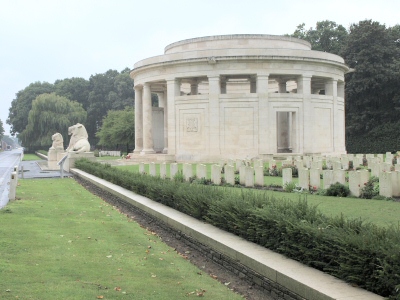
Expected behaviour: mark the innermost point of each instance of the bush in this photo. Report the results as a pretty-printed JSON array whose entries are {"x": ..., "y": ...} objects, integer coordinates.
[
  {"x": 338, "y": 190},
  {"x": 289, "y": 187},
  {"x": 370, "y": 189}
]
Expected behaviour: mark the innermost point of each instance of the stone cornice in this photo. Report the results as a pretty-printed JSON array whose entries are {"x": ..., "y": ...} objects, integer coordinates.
[{"x": 261, "y": 58}]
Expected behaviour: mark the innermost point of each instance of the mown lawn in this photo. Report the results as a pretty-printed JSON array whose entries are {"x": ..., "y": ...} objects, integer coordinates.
[
  {"x": 29, "y": 157},
  {"x": 58, "y": 241}
]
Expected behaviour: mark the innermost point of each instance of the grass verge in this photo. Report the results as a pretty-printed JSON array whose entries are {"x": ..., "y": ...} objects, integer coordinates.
[
  {"x": 61, "y": 242},
  {"x": 29, "y": 157}
]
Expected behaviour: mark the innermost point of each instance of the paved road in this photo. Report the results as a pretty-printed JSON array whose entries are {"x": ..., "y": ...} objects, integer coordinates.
[{"x": 8, "y": 160}]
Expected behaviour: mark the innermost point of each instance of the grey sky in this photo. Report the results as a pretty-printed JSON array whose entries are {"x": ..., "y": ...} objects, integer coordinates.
[{"x": 46, "y": 40}]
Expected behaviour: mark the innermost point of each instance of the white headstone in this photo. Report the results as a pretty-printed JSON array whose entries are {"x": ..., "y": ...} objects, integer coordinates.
[
  {"x": 163, "y": 170},
  {"x": 395, "y": 184},
  {"x": 304, "y": 178},
  {"x": 152, "y": 169},
  {"x": 187, "y": 171},
  {"x": 173, "y": 170},
  {"x": 229, "y": 174},
  {"x": 141, "y": 168},
  {"x": 201, "y": 171},
  {"x": 354, "y": 183},
  {"x": 249, "y": 181},
  {"x": 216, "y": 174},
  {"x": 339, "y": 176},
  {"x": 327, "y": 178},
  {"x": 259, "y": 171},
  {"x": 315, "y": 180},
  {"x": 286, "y": 176},
  {"x": 385, "y": 184}
]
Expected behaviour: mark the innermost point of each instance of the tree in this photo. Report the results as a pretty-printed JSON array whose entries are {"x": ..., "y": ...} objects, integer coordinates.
[
  {"x": 109, "y": 91},
  {"x": 51, "y": 113},
  {"x": 1, "y": 130},
  {"x": 372, "y": 94},
  {"x": 118, "y": 128},
  {"x": 327, "y": 36},
  {"x": 22, "y": 104},
  {"x": 75, "y": 89}
]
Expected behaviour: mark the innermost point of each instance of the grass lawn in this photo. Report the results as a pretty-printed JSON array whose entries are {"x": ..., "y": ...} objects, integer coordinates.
[
  {"x": 380, "y": 212},
  {"x": 61, "y": 242},
  {"x": 30, "y": 156}
]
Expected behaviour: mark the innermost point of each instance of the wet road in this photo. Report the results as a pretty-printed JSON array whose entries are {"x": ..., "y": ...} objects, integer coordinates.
[{"x": 8, "y": 160}]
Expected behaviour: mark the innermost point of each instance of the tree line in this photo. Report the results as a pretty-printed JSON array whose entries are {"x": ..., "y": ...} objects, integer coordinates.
[
  {"x": 372, "y": 94},
  {"x": 42, "y": 108},
  {"x": 105, "y": 102}
]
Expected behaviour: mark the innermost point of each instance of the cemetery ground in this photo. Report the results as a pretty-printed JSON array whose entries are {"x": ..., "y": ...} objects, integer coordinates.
[
  {"x": 59, "y": 241},
  {"x": 379, "y": 212}
]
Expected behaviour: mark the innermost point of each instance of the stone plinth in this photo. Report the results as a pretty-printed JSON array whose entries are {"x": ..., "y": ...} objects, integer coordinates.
[
  {"x": 69, "y": 162},
  {"x": 53, "y": 157}
]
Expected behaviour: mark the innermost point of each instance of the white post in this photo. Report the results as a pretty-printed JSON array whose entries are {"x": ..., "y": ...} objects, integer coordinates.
[{"x": 13, "y": 186}]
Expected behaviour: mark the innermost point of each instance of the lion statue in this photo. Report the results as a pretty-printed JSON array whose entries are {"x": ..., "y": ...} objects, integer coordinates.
[
  {"x": 58, "y": 142},
  {"x": 79, "y": 139}
]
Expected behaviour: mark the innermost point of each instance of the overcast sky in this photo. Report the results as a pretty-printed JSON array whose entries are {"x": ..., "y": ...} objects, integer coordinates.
[{"x": 46, "y": 40}]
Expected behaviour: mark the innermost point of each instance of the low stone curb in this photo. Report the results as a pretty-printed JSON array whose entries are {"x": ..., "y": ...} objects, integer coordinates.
[{"x": 281, "y": 277}]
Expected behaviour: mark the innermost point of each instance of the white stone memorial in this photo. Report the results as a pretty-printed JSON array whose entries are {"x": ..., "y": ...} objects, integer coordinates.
[{"x": 239, "y": 96}]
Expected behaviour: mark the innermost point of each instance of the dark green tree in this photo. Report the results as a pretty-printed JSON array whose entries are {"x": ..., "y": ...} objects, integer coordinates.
[
  {"x": 22, "y": 104},
  {"x": 109, "y": 91},
  {"x": 117, "y": 129},
  {"x": 372, "y": 93},
  {"x": 75, "y": 88},
  {"x": 51, "y": 113},
  {"x": 1, "y": 130},
  {"x": 327, "y": 36}
]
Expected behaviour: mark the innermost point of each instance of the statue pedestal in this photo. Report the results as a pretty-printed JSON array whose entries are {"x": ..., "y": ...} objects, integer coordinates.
[
  {"x": 69, "y": 162},
  {"x": 53, "y": 157}
]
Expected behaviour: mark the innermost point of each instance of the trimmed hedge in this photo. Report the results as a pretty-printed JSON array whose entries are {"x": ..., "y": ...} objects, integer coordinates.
[{"x": 362, "y": 254}]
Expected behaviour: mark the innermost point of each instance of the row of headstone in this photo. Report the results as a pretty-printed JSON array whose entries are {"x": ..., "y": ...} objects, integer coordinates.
[{"x": 109, "y": 153}]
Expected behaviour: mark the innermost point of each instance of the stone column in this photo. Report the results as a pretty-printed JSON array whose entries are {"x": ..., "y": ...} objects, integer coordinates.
[
  {"x": 173, "y": 90},
  {"x": 306, "y": 133},
  {"x": 162, "y": 102},
  {"x": 340, "y": 144},
  {"x": 338, "y": 119},
  {"x": 329, "y": 88},
  {"x": 264, "y": 138},
  {"x": 147, "y": 121},
  {"x": 138, "y": 120},
  {"x": 213, "y": 96}
]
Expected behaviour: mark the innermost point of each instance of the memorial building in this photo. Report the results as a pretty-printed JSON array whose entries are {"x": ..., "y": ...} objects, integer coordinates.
[{"x": 239, "y": 96}]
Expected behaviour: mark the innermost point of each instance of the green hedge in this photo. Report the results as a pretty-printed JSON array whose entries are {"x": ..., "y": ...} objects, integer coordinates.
[{"x": 361, "y": 254}]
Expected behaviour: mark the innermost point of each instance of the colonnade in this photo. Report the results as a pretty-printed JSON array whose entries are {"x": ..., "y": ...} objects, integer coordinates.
[{"x": 169, "y": 90}]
